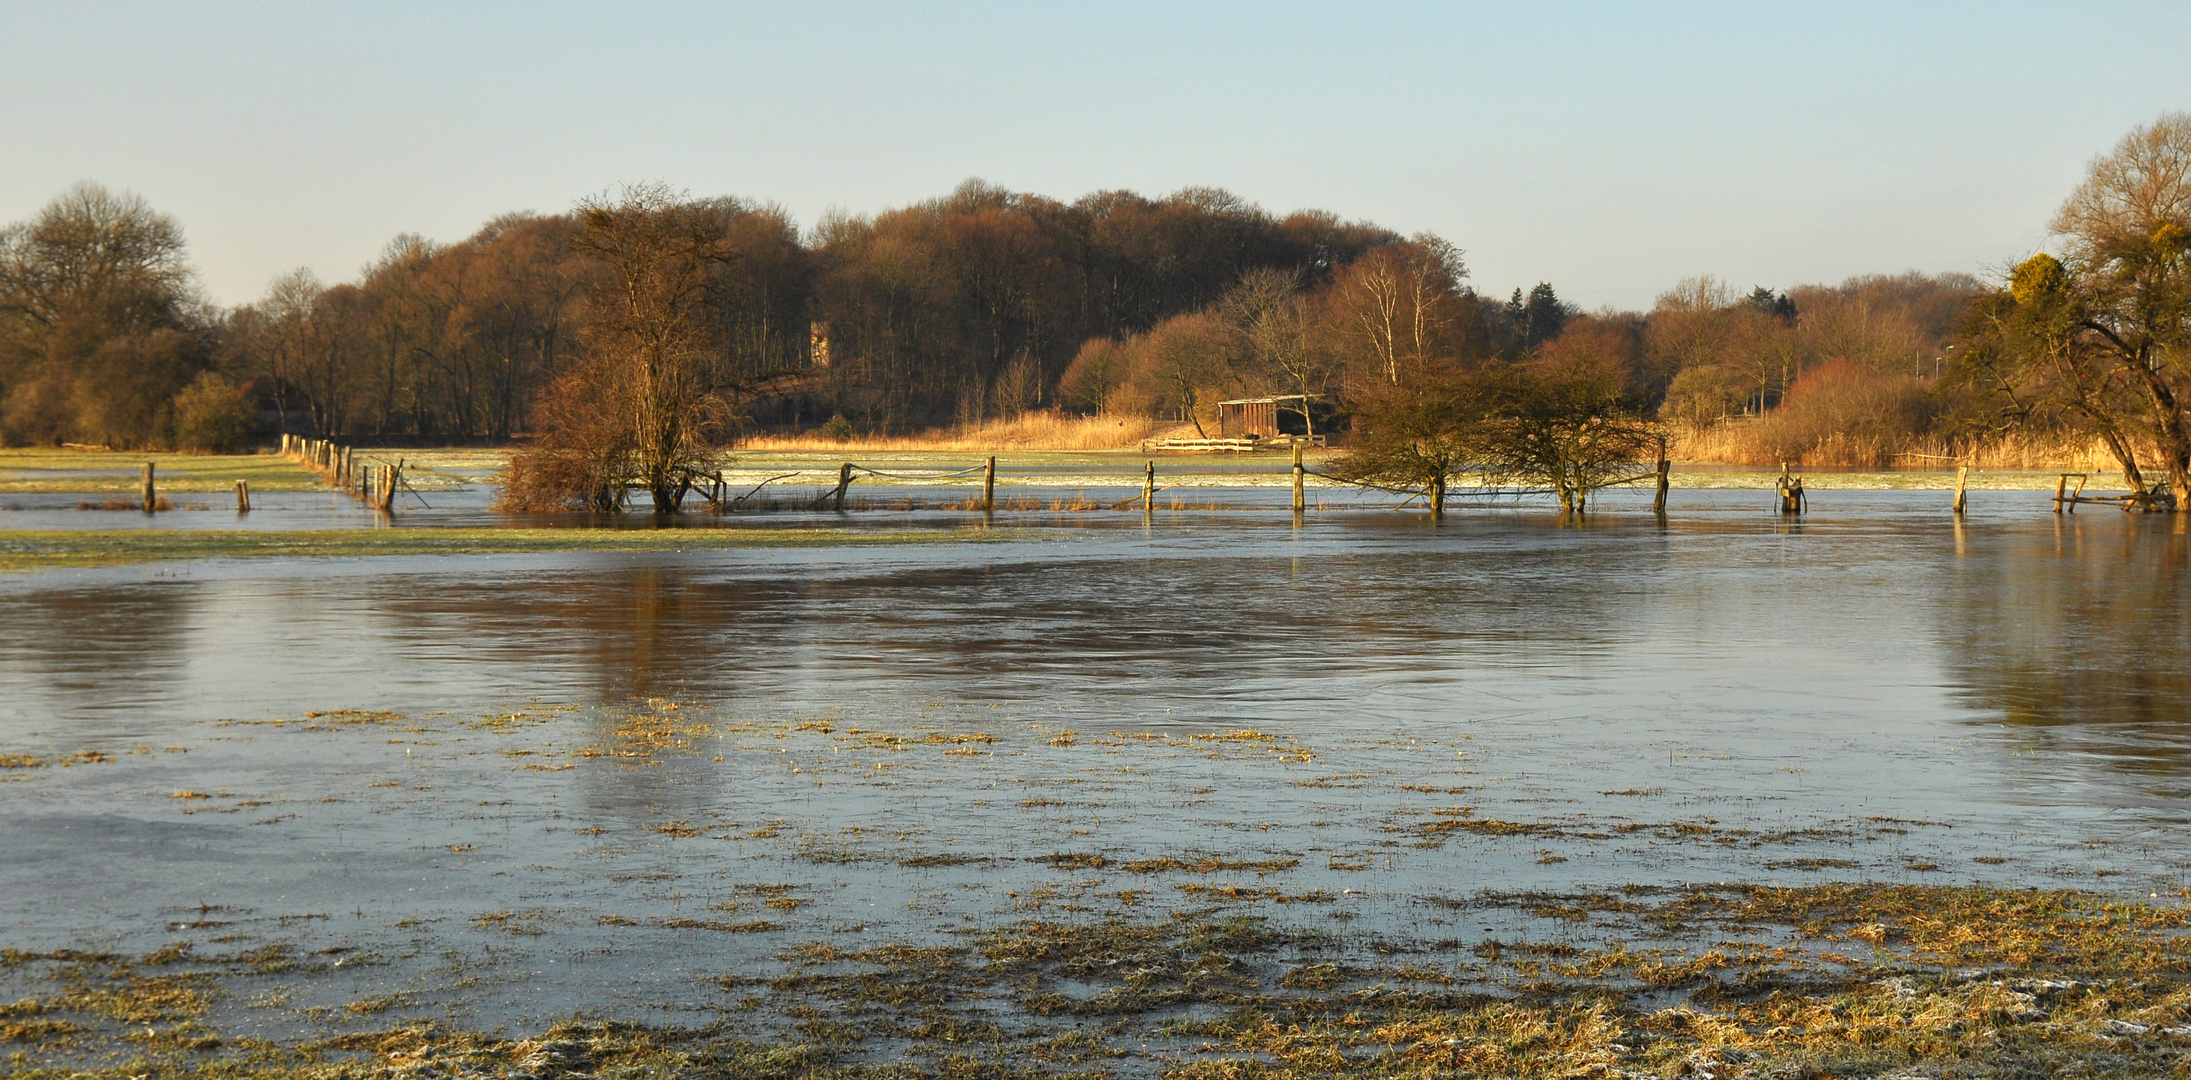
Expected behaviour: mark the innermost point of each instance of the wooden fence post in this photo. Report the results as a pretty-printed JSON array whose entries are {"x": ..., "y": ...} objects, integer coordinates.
[
  {"x": 844, "y": 480},
  {"x": 1437, "y": 497},
  {"x": 1300, "y": 496},
  {"x": 150, "y": 497},
  {"x": 2061, "y": 488},
  {"x": 1148, "y": 490},
  {"x": 1962, "y": 477},
  {"x": 243, "y": 496},
  {"x": 1658, "y": 503},
  {"x": 989, "y": 487},
  {"x": 1791, "y": 491}
]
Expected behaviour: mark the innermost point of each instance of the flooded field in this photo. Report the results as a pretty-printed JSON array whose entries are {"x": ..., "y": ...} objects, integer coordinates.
[{"x": 1068, "y": 788}]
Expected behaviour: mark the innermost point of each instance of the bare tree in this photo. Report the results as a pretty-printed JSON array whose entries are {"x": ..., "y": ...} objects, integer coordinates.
[
  {"x": 2128, "y": 232},
  {"x": 2102, "y": 336},
  {"x": 100, "y": 324},
  {"x": 1278, "y": 332},
  {"x": 1396, "y": 305},
  {"x": 647, "y": 407}
]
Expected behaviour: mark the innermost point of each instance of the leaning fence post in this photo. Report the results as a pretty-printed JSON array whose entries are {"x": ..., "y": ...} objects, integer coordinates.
[
  {"x": 151, "y": 498},
  {"x": 1300, "y": 497},
  {"x": 1962, "y": 476},
  {"x": 989, "y": 487},
  {"x": 243, "y": 496}
]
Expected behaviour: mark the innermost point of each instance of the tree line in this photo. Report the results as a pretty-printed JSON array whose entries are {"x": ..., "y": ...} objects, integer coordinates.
[
  {"x": 964, "y": 307},
  {"x": 975, "y": 306},
  {"x": 987, "y": 303}
]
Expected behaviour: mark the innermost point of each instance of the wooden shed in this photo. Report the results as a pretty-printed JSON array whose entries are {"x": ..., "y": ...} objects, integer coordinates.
[{"x": 1255, "y": 418}]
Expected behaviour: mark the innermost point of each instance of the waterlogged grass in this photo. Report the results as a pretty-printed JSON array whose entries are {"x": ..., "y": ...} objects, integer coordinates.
[
  {"x": 100, "y": 472},
  {"x": 1722, "y": 981},
  {"x": 1768, "y": 982},
  {"x": 47, "y": 549},
  {"x": 26, "y": 471}
]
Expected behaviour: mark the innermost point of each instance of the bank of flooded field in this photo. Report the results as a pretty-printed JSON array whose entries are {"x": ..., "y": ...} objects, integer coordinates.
[{"x": 1200, "y": 794}]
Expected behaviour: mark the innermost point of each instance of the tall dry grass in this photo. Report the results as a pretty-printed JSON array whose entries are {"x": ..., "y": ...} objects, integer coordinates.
[
  {"x": 1029, "y": 431},
  {"x": 1844, "y": 414},
  {"x": 1751, "y": 442}
]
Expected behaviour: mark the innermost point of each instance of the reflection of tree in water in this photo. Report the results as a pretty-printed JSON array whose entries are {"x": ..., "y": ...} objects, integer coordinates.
[
  {"x": 646, "y": 631},
  {"x": 1221, "y": 623},
  {"x": 2081, "y": 642},
  {"x": 73, "y": 653}
]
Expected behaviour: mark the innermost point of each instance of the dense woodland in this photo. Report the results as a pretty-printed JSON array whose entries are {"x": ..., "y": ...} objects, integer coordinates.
[
  {"x": 985, "y": 304},
  {"x": 977, "y": 306}
]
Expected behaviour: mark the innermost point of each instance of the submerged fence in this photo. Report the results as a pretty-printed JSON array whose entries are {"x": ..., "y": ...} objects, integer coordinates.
[
  {"x": 380, "y": 483},
  {"x": 1310, "y": 490},
  {"x": 1297, "y": 476}
]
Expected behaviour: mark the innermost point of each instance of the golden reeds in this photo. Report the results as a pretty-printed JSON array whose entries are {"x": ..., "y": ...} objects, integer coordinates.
[{"x": 1028, "y": 431}]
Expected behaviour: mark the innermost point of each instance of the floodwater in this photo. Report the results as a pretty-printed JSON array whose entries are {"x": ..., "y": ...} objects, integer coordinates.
[{"x": 506, "y": 788}]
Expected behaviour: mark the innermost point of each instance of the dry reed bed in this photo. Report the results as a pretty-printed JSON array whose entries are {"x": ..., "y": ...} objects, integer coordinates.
[
  {"x": 1752, "y": 443},
  {"x": 1030, "y": 431}
]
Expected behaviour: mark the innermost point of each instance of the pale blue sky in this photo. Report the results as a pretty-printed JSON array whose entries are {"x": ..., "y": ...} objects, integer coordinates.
[{"x": 1609, "y": 149}]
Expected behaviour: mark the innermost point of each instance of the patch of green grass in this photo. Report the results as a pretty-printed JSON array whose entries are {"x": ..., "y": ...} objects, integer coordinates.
[
  {"x": 47, "y": 549},
  {"x": 111, "y": 471}
]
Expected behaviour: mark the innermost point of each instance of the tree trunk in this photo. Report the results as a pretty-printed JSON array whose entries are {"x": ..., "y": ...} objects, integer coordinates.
[{"x": 2169, "y": 425}]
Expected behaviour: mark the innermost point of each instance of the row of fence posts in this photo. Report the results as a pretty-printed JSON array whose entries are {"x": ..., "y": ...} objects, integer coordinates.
[
  {"x": 148, "y": 491},
  {"x": 1788, "y": 488},
  {"x": 374, "y": 485},
  {"x": 1793, "y": 500},
  {"x": 835, "y": 499}
]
